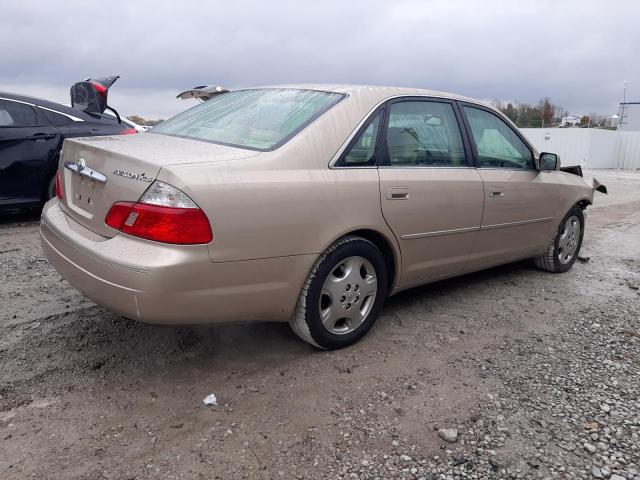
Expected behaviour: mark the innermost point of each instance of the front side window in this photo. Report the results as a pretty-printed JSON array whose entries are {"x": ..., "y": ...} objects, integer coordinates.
[
  {"x": 15, "y": 114},
  {"x": 260, "y": 119},
  {"x": 422, "y": 133},
  {"x": 497, "y": 144},
  {"x": 363, "y": 150}
]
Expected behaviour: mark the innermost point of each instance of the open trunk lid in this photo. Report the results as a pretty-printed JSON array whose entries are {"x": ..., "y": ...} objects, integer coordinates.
[
  {"x": 96, "y": 172},
  {"x": 203, "y": 92}
]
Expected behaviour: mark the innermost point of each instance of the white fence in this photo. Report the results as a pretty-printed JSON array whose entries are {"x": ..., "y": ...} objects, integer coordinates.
[{"x": 589, "y": 147}]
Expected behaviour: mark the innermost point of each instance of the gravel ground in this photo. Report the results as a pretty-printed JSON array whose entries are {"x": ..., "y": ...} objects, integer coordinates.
[{"x": 507, "y": 373}]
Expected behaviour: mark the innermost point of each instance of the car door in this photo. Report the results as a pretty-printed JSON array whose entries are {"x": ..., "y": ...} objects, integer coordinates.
[
  {"x": 431, "y": 195},
  {"x": 518, "y": 200},
  {"x": 26, "y": 145}
]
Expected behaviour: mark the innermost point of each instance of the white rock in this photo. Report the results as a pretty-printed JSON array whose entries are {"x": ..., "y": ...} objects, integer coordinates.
[
  {"x": 617, "y": 477},
  {"x": 590, "y": 448},
  {"x": 210, "y": 400},
  {"x": 448, "y": 434}
]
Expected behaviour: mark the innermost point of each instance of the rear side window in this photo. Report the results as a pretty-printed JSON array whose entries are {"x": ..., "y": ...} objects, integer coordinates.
[
  {"x": 363, "y": 149},
  {"x": 55, "y": 118},
  {"x": 424, "y": 133},
  {"x": 260, "y": 119},
  {"x": 498, "y": 146},
  {"x": 15, "y": 114}
]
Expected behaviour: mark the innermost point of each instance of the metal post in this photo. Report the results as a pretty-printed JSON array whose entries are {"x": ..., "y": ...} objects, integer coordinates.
[{"x": 624, "y": 101}]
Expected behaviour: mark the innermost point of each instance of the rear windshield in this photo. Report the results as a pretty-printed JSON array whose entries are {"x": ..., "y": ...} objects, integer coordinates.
[{"x": 261, "y": 119}]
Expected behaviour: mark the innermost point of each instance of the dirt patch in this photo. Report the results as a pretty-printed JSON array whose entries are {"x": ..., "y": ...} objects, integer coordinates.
[{"x": 515, "y": 359}]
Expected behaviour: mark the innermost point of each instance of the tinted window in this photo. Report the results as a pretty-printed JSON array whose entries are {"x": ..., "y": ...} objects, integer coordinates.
[
  {"x": 424, "y": 134},
  {"x": 14, "y": 114},
  {"x": 497, "y": 144},
  {"x": 260, "y": 119},
  {"x": 363, "y": 150},
  {"x": 55, "y": 118}
]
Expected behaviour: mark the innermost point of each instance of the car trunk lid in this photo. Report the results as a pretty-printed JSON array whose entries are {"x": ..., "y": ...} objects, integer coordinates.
[{"x": 96, "y": 172}]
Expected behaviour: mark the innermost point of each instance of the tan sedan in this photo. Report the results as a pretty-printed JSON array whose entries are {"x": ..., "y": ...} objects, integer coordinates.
[{"x": 307, "y": 204}]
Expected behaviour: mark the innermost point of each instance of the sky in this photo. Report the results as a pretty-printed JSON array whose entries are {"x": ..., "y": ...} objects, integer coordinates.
[{"x": 578, "y": 53}]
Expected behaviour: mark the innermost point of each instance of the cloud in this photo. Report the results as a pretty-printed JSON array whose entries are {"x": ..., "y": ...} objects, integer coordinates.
[{"x": 576, "y": 52}]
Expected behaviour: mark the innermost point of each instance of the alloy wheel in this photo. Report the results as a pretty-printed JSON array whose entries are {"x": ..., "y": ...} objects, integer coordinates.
[
  {"x": 348, "y": 295},
  {"x": 568, "y": 240}
]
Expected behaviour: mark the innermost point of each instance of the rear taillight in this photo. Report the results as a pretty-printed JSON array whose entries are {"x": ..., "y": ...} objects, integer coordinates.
[
  {"x": 163, "y": 214},
  {"x": 59, "y": 193},
  {"x": 127, "y": 131}
]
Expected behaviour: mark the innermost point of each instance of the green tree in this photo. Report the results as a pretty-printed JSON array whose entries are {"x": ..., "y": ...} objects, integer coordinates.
[{"x": 511, "y": 112}]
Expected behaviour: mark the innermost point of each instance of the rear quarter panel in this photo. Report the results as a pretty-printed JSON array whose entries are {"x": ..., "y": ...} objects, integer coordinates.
[{"x": 288, "y": 201}]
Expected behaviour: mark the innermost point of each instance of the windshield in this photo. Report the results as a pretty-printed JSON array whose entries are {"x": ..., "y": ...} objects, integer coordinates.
[{"x": 261, "y": 119}]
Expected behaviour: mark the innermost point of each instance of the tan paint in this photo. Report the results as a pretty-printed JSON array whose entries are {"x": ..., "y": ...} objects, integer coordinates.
[
  {"x": 273, "y": 213},
  {"x": 438, "y": 221}
]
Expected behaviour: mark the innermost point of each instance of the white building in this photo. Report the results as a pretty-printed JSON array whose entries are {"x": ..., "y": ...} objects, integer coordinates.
[
  {"x": 570, "y": 120},
  {"x": 629, "y": 117},
  {"x": 613, "y": 121}
]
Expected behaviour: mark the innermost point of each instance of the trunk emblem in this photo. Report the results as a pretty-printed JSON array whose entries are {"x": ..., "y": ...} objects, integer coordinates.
[{"x": 133, "y": 176}]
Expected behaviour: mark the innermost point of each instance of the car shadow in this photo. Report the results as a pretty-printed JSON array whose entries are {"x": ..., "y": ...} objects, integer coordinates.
[
  {"x": 19, "y": 217},
  {"x": 90, "y": 344},
  {"x": 476, "y": 281},
  {"x": 106, "y": 335}
]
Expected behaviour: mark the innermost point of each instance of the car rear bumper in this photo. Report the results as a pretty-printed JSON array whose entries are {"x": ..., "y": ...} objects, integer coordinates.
[{"x": 169, "y": 284}]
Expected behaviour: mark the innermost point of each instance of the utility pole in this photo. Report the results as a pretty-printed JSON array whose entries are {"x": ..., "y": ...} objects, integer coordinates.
[{"x": 624, "y": 101}]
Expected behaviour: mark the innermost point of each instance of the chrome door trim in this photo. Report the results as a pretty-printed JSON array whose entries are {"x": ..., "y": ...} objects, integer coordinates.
[
  {"x": 433, "y": 95},
  {"x": 513, "y": 224},
  {"x": 18, "y": 101},
  {"x": 70, "y": 117},
  {"x": 411, "y": 236}
]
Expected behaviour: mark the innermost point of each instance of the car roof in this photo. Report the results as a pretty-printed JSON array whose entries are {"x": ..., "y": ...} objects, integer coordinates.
[
  {"x": 46, "y": 104},
  {"x": 382, "y": 92}
]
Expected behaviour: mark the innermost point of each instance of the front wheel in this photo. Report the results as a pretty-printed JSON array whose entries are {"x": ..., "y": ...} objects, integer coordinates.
[
  {"x": 565, "y": 247},
  {"x": 342, "y": 295}
]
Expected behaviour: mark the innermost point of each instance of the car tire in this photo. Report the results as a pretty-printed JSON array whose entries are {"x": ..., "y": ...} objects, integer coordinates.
[
  {"x": 566, "y": 243},
  {"x": 343, "y": 294}
]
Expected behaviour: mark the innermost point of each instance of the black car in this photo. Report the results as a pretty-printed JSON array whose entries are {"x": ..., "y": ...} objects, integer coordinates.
[{"x": 31, "y": 135}]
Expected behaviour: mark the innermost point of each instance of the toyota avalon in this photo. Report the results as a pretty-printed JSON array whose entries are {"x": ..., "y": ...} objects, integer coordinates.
[{"x": 306, "y": 204}]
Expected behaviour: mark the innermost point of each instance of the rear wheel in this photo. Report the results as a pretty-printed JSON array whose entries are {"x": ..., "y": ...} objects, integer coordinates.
[
  {"x": 565, "y": 247},
  {"x": 342, "y": 295}
]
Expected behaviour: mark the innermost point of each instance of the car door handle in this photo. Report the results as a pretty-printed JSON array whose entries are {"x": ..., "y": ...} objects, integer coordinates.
[
  {"x": 496, "y": 194},
  {"x": 397, "y": 193},
  {"x": 41, "y": 136}
]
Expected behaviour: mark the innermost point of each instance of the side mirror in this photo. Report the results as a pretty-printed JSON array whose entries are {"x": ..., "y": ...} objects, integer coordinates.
[{"x": 548, "y": 161}]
